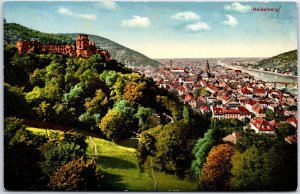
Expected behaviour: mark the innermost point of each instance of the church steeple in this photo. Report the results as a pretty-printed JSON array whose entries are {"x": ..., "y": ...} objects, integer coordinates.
[{"x": 207, "y": 67}]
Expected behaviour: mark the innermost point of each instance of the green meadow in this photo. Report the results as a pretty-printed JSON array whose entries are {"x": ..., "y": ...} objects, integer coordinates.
[{"x": 119, "y": 167}]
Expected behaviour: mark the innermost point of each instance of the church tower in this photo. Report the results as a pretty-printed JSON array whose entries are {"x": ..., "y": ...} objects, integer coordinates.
[
  {"x": 207, "y": 67},
  {"x": 171, "y": 63}
]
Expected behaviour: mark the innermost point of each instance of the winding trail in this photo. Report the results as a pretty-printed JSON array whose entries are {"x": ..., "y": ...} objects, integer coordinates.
[
  {"x": 154, "y": 185},
  {"x": 94, "y": 145}
]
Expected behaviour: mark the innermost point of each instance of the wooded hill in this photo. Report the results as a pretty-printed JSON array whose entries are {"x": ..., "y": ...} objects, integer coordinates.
[
  {"x": 14, "y": 32},
  {"x": 286, "y": 61}
]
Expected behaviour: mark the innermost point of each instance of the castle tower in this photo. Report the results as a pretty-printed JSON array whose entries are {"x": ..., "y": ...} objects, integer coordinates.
[
  {"x": 82, "y": 46},
  {"x": 82, "y": 42}
]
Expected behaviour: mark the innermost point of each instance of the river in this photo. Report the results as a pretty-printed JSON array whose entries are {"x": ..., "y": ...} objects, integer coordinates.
[{"x": 268, "y": 77}]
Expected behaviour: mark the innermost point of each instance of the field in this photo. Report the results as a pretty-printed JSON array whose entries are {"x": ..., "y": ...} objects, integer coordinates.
[{"x": 120, "y": 170}]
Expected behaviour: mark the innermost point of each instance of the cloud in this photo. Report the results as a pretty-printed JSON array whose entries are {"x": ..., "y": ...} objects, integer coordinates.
[
  {"x": 137, "y": 21},
  {"x": 197, "y": 26},
  {"x": 238, "y": 7},
  {"x": 231, "y": 21},
  {"x": 186, "y": 16},
  {"x": 87, "y": 16},
  {"x": 68, "y": 12},
  {"x": 64, "y": 11},
  {"x": 108, "y": 4}
]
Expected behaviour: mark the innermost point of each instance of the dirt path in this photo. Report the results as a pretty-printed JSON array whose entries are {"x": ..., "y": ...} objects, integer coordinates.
[
  {"x": 94, "y": 145},
  {"x": 154, "y": 185}
]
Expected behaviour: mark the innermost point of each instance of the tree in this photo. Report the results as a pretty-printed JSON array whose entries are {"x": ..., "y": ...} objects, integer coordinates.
[
  {"x": 133, "y": 91},
  {"x": 52, "y": 90},
  {"x": 74, "y": 96},
  {"x": 202, "y": 92},
  {"x": 280, "y": 168},
  {"x": 109, "y": 77},
  {"x": 57, "y": 153},
  {"x": 143, "y": 115},
  {"x": 77, "y": 175},
  {"x": 90, "y": 79},
  {"x": 21, "y": 156},
  {"x": 174, "y": 144},
  {"x": 186, "y": 114},
  {"x": 90, "y": 119},
  {"x": 270, "y": 115},
  {"x": 15, "y": 66},
  {"x": 247, "y": 170},
  {"x": 146, "y": 147},
  {"x": 37, "y": 78},
  {"x": 44, "y": 111},
  {"x": 98, "y": 104},
  {"x": 201, "y": 149},
  {"x": 273, "y": 169},
  {"x": 15, "y": 103},
  {"x": 285, "y": 129},
  {"x": 147, "y": 144},
  {"x": 116, "y": 92},
  {"x": 116, "y": 125},
  {"x": 171, "y": 106},
  {"x": 64, "y": 115},
  {"x": 35, "y": 97},
  {"x": 216, "y": 171}
]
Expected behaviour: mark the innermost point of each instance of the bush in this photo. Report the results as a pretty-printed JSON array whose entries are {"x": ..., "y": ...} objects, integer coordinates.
[{"x": 77, "y": 175}]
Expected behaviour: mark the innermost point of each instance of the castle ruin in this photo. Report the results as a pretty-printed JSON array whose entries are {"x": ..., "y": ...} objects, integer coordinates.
[{"x": 82, "y": 48}]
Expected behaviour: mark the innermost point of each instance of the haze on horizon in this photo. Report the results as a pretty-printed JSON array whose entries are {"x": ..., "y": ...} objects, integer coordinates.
[{"x": 170, "y": 29}]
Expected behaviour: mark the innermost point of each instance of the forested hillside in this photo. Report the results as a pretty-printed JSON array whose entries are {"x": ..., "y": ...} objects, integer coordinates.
[
  {"x": 286, "y": 61},
  {"x": 95, "y": 95},
  {"x": 14, "y": 32}
]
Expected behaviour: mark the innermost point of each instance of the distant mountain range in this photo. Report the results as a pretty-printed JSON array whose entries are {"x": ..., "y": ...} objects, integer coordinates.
[
  {"x": 14, "y": 32},
  {"x": 286, "y": 61}
]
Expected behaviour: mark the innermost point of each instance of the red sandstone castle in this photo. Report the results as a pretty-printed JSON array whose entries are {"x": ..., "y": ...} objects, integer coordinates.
[{"x": 82, "y": 48}]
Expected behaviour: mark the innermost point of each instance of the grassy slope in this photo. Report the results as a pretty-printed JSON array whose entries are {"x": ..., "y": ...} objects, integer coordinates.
[{"x": 120, "y": 168}]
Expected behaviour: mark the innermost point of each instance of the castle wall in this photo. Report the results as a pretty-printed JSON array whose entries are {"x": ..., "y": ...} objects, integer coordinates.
[{"x": 83, "y": 48}]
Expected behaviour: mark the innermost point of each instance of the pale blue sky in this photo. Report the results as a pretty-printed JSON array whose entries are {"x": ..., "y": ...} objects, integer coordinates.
[{"x": 169, "y": 29}]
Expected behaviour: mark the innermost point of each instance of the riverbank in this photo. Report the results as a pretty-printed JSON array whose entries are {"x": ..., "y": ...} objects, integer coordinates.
[
  {"x": 270, "y": 72},
  {"x": 262, "y": 71}
]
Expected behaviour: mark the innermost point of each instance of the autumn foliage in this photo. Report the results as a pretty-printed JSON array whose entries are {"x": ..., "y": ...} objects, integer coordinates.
[
  {"x": 77, "y": 175},
  {"x": 215, "y": 174}
]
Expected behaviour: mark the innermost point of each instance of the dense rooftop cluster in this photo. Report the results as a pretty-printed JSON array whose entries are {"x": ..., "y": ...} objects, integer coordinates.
[{"x": 225, "y": 93}]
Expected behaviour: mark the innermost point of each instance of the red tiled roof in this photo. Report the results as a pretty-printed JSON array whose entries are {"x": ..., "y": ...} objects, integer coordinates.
[
  {"x": 231, "y": 111},
  {"x": 188, "y": 97},
  {"x": 204, "y": 108},
  {"x": 226, "y": 97},
  {"x": 218, "y": 110},
  {"x": 259, "y": 90},
  {"x": 245, "y": 90},
  {"x": 291, "y": 139},
  {"x": 251, "y": 102},
  {"x": 258, "y": 110},
  {"x": 175, "y": 69},
  {"x": 262, "y": 124},
  {"x": 292, "y": 120},
  {"x": 181, "y": 88},
  {"x": 243, "y": 110}
]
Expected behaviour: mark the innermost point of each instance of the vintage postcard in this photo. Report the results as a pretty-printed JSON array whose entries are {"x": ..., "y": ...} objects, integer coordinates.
[{"x": 150, "y": 96}]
